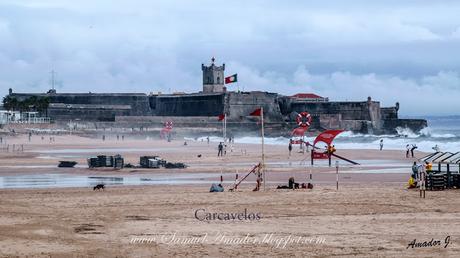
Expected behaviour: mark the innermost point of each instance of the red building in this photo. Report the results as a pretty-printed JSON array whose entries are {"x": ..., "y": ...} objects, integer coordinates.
[{"x": 309, "y": 97}]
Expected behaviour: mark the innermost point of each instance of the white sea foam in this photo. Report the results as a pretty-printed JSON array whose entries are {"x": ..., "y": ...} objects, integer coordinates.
[
  {"x": 425, "y": 140},
  {"x": 443, "y": 132}
]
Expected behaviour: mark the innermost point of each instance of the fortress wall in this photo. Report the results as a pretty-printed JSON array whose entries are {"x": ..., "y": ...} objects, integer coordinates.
[
  {"x": 182, "y": 121},
  {"x": 348, "y": 110},
  {"x": 187, "y": 105},
  {"x": 86, "y": 114},
  {"x": 241, "y": 104},
  {"x": 389, "y": 113},
  {"x": 414, "y": 124},
  {"x": 354, "y": 125},
  {"x": 330, "y": 121},
  {"x": 139, "y": 102},
  {"x": 374, "y": 114},
  {"x": 177, "y": 120}
]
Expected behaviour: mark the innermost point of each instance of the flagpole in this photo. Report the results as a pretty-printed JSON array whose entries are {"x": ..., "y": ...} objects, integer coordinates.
[
  {"x": 263, "y": 151},
  {"x": 223, "y": 129}
]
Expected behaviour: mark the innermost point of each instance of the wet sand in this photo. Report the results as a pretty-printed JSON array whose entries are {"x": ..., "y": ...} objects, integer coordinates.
[{"x": 372, "y": 214}]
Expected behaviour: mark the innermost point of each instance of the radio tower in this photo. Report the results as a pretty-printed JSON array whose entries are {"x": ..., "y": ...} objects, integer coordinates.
[
  {"x": 53, "y": 90},
  {"x": 52, "y": 79}
]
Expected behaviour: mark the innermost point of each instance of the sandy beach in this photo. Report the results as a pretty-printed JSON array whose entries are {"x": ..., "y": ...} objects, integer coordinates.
[{"x": 170, "y": 212}]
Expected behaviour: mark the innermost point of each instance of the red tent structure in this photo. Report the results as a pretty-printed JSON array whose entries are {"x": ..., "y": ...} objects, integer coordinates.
[{"x": 327, "y": 137}]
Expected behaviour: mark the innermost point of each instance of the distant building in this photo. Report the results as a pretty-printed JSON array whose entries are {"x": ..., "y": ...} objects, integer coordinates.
[{"x": 309, "y": 97}]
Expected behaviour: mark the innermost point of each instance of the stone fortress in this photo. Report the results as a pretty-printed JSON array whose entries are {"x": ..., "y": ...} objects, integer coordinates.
[{"x": 198, "y": 112}]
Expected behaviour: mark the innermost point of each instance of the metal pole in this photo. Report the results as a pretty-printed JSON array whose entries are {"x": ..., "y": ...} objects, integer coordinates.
[
  {"x": 223, "y": 130},
  {"x": 337, "y": 173},
  {"x": 236, "y": 180},
  {"x": 221, "y": 177},
  {"x": 263, "y": 151}
]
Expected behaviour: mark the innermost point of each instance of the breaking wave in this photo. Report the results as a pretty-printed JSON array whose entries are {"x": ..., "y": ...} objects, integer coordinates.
[{"x": 442, "y": 133}]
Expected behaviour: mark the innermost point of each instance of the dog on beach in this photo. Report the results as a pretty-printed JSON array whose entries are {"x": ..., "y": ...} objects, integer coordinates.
[{"x": 99, "y": 187}]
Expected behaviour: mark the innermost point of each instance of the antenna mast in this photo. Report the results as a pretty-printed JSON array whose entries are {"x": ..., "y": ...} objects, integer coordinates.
[{"x": 52, "y": 79}]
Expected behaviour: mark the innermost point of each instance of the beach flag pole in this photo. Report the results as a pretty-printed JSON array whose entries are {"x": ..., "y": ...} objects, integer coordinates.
[
  {"x": 337, "y": 173},
  {"x": 263, "y": 151},
  {"x": 223, "y": 128},
  {"x": 261, "y": 167},
  {"x": 236, "y": 180}
]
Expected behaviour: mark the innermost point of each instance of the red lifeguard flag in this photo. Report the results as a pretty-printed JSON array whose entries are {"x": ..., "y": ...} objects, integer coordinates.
[
  {"x": 256, "y": 112},
  {"x": 231, "y": 79},
  {"x": 221, "y": 117},
  {"x": 327, "y": 136}
]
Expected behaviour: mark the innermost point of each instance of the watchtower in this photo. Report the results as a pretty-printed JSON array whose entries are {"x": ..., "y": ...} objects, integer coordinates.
[{"x": 213, "y": 77}]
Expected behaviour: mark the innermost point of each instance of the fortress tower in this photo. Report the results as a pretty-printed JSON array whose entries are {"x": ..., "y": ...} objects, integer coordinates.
[{"x": 213, "y": 77}]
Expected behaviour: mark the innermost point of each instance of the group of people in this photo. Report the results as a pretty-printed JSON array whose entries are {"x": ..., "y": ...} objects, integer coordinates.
[
  {"x": 416, "y": 171},
  {"x": 303, "y": 146},
  {"x": 410, "y": 149}
]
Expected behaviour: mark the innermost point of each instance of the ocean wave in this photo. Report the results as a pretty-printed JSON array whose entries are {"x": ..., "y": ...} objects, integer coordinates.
[
  {"x": 444, "y": 135},
  {"x": 355, "y": 142}
]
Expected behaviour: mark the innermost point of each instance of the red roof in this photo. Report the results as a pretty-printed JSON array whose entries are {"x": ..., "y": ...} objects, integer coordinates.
[{"x": 306, "y": 96}]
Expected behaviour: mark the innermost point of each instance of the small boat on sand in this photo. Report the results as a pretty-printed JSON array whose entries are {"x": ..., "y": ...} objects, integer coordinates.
[{"x": 67, "y": 164}]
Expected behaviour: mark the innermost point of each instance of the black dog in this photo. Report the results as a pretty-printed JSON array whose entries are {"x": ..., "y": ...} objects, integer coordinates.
[{"x": 99, "y": 187}]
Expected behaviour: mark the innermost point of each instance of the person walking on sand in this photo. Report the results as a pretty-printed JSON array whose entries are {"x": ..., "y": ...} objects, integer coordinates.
[
  {"x": 220, "y": 149},
  {"x": 207, "y": 139},
  {"x": 381, "y": 144},
  {"x": 414, "y": 170},
  {"x": 290, "y": 147},
  {"x": 407, "y": 150},
  {"x": 414, "y": 146}
]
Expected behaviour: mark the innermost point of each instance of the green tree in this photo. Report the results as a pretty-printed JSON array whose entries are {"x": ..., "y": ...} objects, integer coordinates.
[{"x": 10, "y": 103}]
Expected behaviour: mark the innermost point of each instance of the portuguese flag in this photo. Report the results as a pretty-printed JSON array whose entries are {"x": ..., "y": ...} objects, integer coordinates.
[{"x": 231, "y": 79}]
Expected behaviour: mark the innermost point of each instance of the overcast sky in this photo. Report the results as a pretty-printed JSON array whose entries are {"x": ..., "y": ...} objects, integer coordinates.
[{"x": 406, "y": 51}]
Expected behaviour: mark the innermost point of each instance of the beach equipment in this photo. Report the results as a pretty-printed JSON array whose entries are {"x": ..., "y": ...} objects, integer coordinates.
[
  {"x": 445, "y": 176},
  {"x": 175, "y": 165},
  {"x": 151, "y": 162},
  {"x": 116, "y": 162},
  {"x": 255, "y": 170},
  {"x": 67, "y": 164},
  {"x": 327, "y": 137},
  {"x": 437, "y": 181},
  {"x": 303, "y": 119},
  {"x": 261, "y": 171},
  {"x": 216, "y": 188}
]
